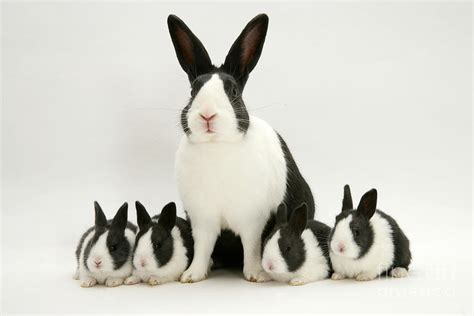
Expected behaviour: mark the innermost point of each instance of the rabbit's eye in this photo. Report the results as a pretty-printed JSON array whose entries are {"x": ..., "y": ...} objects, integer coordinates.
[
  {"x": 113, "y": 248},
  {"x": 356, "y": 232},
  {"x": 288, "y": 248},
  {"x": 157, "y": 245}
]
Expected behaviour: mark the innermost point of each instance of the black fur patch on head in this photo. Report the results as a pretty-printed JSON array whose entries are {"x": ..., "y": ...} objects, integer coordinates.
[
  {"x": 292, "y": 248},
  {"x": 162, "y": 243},
  {"x": 362, "y": 233},
  {"x": 119, "y": 247},
  {"x": 234, "y": 93}
]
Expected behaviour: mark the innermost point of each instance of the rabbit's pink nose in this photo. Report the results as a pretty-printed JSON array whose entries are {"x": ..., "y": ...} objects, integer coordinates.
[
  {"x": 341, "y": 247},
  {"x": 97, "y": 262},
  {"x": 143, "y": 262},
  {"x": 208, "y": 117}
]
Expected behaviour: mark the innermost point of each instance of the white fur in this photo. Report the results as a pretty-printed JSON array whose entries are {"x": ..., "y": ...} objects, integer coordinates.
[
  {"x": 106, "y": 274},
  {"x": 314, "y": 268},
  {"x": 212, "y": 99},
  {"x": 378, "y": 258},
  {"x": 228, "y": 180},
  {"x": 152, "y": 273}
]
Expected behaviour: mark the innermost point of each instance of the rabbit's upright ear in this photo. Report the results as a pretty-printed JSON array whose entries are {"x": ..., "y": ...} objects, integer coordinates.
[
  {"x": 192, "y": 55},
  {"x": 100, "y": 219},
  {"x": 143, "y": 218},
  {"x": 119, "y": 223},
  {"x": 299, "y": 218},
  {"x": 246, "y": 50},
  {"x": 347, "y": 200},
  {"x": 167, "y": 217},
  {"x": 368, "y": 204}
]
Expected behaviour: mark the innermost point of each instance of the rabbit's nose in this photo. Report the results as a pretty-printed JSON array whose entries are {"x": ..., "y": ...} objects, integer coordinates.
[
  {"x": 208, "y": 117},
  {"x": 98, "y": 262},
  {"x": 142, "y": 263},
  {"x": 341, "y": 247}
]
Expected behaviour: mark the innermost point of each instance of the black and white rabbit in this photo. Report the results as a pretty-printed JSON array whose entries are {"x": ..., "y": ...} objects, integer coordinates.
[
  {"x": 297, "y": 250},
  {"x": 104, "y": 253},
  {"x": 232, "y": 169},
  {"x": 163, "y": 247},
  {"x": 366, "y": 242}
]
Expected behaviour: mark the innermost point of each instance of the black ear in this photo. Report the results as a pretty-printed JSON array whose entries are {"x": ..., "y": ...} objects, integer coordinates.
[
  {"x": 246, "y": 50},
  {"x": 347, "y": 200},
  {"x": 192, "y": 55},
  {"x": 167, "y": 217},
  {"x": 100, "y": 219},
  {"x": 143, "y": 218},
  {"x": 281, "y": 215},
  {"x": 120, "y": 220},
  {"x": 299, "y": 218},
  {"x": 368, "y": 204}
]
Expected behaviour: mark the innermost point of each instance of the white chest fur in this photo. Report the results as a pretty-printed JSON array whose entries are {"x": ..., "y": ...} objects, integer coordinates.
[{"x": 236, "y": 183}]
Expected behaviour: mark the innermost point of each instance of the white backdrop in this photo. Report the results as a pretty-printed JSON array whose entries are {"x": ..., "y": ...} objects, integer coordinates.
[{"x": 374, "y": 95}]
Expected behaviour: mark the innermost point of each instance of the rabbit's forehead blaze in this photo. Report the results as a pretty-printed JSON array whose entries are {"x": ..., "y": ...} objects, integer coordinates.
[{"x": 213, "y": 85}]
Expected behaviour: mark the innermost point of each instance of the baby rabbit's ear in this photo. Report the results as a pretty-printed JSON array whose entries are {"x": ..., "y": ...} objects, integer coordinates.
[
  {"x": 143, "y": 218},
  {"x": 281, "y": 215},
  {"x": 100, "y": 219},
  {"x": 119, "y": 223},
  {"x": 167, "y": 217},
  {"x": 192, "y": 55},
  {"x": 245, "y": 52},
  {"x": 347, "y": 200},
  {"x": 299, "y": 218},
  {"x": 368, "y": 204}
]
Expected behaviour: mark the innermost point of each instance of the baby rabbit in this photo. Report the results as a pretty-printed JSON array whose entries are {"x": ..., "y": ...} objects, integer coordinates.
[
  {"x": 104, "y": 251},
  {"x": 164, "y": 247},
  {"x": 297, "y": 250},
  {"x": 367, "y": 242}
]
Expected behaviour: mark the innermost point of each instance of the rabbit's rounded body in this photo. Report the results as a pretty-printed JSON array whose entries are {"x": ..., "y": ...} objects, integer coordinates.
[
  {"x": 233, "y": 185},
  {"x": 163, "y": 247},
  {"x": 316, "y": 265},
  {"x": 297, "y": 250},
  {"x": 85, "y": 271},
  {"x": 172, "y": 270},
  {"x": 379, "y": 258},
  {"x": 366, "y": 242},
  {"x": 232, "y": 169},
  {"x": 104, "y": 252}
]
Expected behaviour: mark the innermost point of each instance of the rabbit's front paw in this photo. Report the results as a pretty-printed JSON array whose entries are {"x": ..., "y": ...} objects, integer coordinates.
[
  {"x": 365, "y": 276},
  {"x": 88, "y": 282},
  {"x": 131, "y": 280},
  {"x": 337, "y": 276},
  {"x": 113, "y": 282},
  {"x": 399, "y": 273},
  {"x": 297, "y": 281},
  {"x": 194, "y": 274}
]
